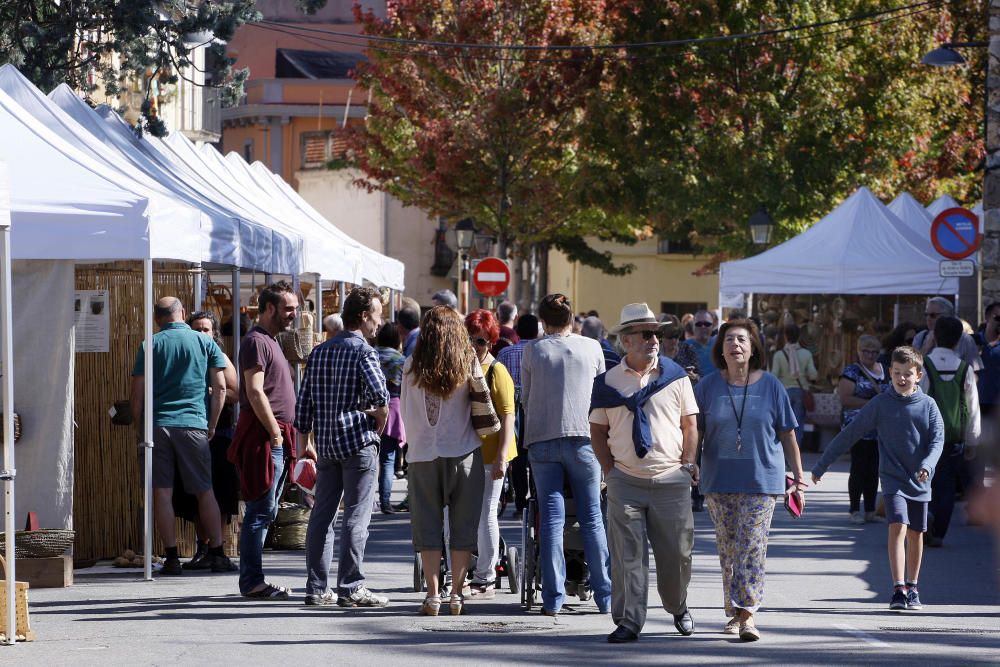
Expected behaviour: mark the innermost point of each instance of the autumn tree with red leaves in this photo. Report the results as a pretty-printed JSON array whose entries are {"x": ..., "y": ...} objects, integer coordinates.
[{"x": 487, "y": 134}]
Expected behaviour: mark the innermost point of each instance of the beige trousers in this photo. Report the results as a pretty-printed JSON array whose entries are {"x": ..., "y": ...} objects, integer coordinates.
[{"x": 644, "y": 513}]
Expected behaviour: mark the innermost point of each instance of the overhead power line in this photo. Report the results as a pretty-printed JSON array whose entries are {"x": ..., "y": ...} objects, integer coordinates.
[
  {"x": 837, "y": 27},
  {"x": 693, "y": 41}
]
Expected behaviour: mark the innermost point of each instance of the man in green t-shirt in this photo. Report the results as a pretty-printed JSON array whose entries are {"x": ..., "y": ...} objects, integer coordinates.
[{"x": 185, "y": 365}]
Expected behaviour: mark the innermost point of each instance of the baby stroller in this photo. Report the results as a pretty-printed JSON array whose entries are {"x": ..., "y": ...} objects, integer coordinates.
[
  {"x": 506, "y": 568},
  {"x": 577, "y": 572}
]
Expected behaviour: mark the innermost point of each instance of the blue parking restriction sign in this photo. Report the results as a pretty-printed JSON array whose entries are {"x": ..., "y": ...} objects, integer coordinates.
[{"x": 955, "y": 233}]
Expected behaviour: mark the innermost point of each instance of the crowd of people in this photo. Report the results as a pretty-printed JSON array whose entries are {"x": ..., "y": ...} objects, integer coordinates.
[{"x": 677, "y": 415}]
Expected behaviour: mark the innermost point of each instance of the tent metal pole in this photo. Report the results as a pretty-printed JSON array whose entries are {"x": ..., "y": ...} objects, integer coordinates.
[
  {"x": 319, "y": 304},
  {"x": 197, "y": 287},
  {"x": 392, "y": 305},
  {"x": 342, "y": 293},
  {"x": 8, "y": 473},
  {"x": 147, "y": 426},
  {"x": 237, "y": 334}
]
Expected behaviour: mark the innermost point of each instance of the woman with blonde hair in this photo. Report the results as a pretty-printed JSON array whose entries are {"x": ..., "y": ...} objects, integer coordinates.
[{"x": 445, "y": 462}]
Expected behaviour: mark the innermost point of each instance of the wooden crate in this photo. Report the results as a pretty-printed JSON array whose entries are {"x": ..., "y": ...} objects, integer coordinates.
[{"x": 46, "y": 572}]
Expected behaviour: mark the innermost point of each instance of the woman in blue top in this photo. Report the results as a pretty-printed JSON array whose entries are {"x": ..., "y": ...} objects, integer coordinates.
[
  {"x": 748, "y": 438},
  {"x": 859, "y": 383}
]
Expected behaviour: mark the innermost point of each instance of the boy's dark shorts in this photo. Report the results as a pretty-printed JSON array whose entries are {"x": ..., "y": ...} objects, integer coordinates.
[{"x": 903, "y": 510}]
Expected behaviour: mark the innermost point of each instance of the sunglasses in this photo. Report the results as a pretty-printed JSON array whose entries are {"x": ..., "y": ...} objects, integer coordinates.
[
  {"x": 703, "y": 324},
  {"x": 932, "y": 316},
  {"x": 996, "y": 318},
  {"x": 481, "y": 342},
  {"x": 670, "y": 336},
  {"x": 647, "y": 335}
]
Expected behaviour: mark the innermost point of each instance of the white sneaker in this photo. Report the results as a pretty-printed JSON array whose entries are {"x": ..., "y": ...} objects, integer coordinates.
[
  {"x": 872, "y": 517},
  {"x": 857, "y": 518}
]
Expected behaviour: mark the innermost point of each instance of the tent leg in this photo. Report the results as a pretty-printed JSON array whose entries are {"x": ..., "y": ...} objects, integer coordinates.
[
  {"x": 342, "y": 293},
  {"x": 237, "y": 333},
  {"x": 319, "y": 305},
  {"x": 8, "y": 473},
  {"x": 392, "y": 305},
  {"x": 749, "y": 304},
  {"x": 198, "y": 287},
  {"x": 147, "y": 426}
]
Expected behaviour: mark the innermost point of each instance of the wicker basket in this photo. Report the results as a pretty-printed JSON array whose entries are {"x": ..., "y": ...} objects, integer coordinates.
[
  {"x": 45, "y": 543},
  {"x": 289, "y": 528}
]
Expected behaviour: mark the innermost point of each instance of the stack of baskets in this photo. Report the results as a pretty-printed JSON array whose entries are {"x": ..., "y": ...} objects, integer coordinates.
[{"x": 288, "y": 532}]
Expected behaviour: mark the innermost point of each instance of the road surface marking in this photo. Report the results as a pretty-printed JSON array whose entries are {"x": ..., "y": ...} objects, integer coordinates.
[{"x": 863, "y": 636}]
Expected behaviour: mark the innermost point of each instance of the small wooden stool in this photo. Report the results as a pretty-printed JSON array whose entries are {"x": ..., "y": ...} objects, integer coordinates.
[{"x": 22, "y": 627}]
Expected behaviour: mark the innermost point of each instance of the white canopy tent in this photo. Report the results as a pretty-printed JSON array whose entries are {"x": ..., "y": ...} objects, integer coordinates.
[
  {"x": 375, "y": 267},
  {"x": 98, "y": 213},
  {"x": 858, "y": 248},
  {"x": 913, "y": 214},
  {"x": 942, "y": 203},
  {"x": 8, "y": 473}
]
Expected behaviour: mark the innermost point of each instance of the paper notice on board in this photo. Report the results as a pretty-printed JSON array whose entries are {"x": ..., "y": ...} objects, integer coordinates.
[{"x": 93, "y": 320}]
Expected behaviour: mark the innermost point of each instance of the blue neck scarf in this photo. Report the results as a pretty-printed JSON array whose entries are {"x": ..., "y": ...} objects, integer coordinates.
[{"x": 604, "y": 396}]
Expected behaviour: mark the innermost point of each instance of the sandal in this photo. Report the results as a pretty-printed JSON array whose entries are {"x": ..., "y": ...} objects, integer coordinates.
[
  {"x": 431, "y": 606},
  {"x": 269, "y": 592},
  {"x": 456, "y": 604}
]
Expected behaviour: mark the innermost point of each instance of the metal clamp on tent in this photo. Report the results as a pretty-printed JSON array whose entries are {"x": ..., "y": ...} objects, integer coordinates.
[{"x": 8, "y": 475}]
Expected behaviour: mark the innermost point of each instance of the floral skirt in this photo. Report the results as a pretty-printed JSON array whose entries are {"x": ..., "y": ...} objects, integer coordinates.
[{"x": 742, "y": 523}]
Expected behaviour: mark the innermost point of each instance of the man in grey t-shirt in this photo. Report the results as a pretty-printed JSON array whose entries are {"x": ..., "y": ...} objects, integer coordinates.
[{"x": 557, "y": 376}]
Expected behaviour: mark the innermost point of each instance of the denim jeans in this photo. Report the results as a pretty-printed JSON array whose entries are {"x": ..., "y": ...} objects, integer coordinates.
[
  {"x": 386, "y": 468},
  {"x": 552, "y": 462},
  {"x": 259, "y": 514},
  {"x": 795, "y": 397},
  {"x": 353, "y": 479}
]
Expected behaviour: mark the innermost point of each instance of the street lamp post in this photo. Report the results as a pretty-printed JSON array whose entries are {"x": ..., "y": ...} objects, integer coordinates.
[{"x": 465, "y": 234}]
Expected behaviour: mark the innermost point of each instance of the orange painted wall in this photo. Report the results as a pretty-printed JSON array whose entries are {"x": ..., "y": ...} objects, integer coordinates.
[{"x": 254, "y": 46}]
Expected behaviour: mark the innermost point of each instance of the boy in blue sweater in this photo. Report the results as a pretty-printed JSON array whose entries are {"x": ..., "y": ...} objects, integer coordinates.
[{"x": 910, "y": 440}]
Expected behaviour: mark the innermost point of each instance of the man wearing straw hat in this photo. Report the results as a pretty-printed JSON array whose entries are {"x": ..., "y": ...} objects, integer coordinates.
[
  {"x": 184, "y": 362},
  {"x": 644, "y": 428}
]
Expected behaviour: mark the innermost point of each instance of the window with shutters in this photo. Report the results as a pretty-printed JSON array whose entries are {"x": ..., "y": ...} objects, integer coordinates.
[{"x": 319, "y": 148}]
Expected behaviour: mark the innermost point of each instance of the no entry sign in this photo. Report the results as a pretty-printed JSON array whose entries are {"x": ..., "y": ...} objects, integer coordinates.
[
  {"x": 955, "y": 233},
  {"x": 491, "y": 276}
]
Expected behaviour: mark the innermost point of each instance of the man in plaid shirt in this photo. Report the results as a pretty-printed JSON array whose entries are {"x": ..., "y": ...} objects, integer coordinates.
[{"x": 343, "y": 398}]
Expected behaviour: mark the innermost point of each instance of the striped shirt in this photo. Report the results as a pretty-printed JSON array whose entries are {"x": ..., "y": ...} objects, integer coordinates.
[{"x": 343, "y": 379}]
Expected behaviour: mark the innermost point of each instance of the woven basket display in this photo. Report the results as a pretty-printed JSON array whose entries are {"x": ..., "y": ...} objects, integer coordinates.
[
  {"x": 289, "y": 529},
  {"x": 45, "y": 543}
]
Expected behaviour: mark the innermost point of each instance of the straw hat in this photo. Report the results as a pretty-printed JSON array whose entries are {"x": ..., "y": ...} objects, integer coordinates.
[{"x": 633, "y": 314}]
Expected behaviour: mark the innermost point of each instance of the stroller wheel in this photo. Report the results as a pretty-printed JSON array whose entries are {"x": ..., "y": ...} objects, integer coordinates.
[
  {"x": 418, "y": 574},
  {"x": 513, "y": 563}
]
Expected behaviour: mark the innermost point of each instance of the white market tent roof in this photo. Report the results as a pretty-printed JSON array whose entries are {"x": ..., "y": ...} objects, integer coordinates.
[
  {"x": 942, "y": 203},
  {"x": 225, "y": 238},
  {"x": 858, "y": 248},
  {"x": 913, "y": 214},
  {"x": 378, "y": 268}
]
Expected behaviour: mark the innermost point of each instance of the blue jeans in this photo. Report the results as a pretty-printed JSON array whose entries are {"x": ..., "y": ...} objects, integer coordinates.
[
  {"x": 798, "y": 409},
  {"x": 354, "y": 480},
  {"x": 552, "y": 462},
  {"x": 259, "y": 515},
  {"x": 387, "y": 468}
]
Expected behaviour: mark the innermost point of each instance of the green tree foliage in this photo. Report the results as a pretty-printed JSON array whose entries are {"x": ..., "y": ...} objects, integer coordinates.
[
  {"x": 695, "y": 138},
  {"x": 94, "y": 43},
  {"x": 489, "y": 135}
]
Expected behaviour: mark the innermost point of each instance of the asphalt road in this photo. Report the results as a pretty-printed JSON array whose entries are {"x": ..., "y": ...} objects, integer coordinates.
[{"x": 826, "y": 603}]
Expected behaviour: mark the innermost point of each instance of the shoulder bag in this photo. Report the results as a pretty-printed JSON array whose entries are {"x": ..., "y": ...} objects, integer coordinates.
[{"x": 484, "y": 415}]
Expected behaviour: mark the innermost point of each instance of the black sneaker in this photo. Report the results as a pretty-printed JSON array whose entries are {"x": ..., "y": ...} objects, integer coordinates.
[
  {"x": 221, "y": 564},
  {"x": 172, "y": 567},
  {"x": 387, "y": 508},
  {"x": 898, "y": 601},
  {"x": 200, "y": 561},
  {"x": 402, "y": 507},
  {"x": 913, "y": 599}
]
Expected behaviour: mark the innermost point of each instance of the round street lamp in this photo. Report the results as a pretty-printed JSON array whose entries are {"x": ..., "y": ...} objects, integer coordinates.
[
  {"x": 761, "y": 225},
  {"x": 946, "y": 55}
]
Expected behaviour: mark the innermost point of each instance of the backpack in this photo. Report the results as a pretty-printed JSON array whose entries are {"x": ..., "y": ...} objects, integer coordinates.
[{"x": 950, "y": 398}]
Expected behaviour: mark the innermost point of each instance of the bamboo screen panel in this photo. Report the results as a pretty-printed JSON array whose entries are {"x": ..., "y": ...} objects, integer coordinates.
[{"x": 107, "y": 496}]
